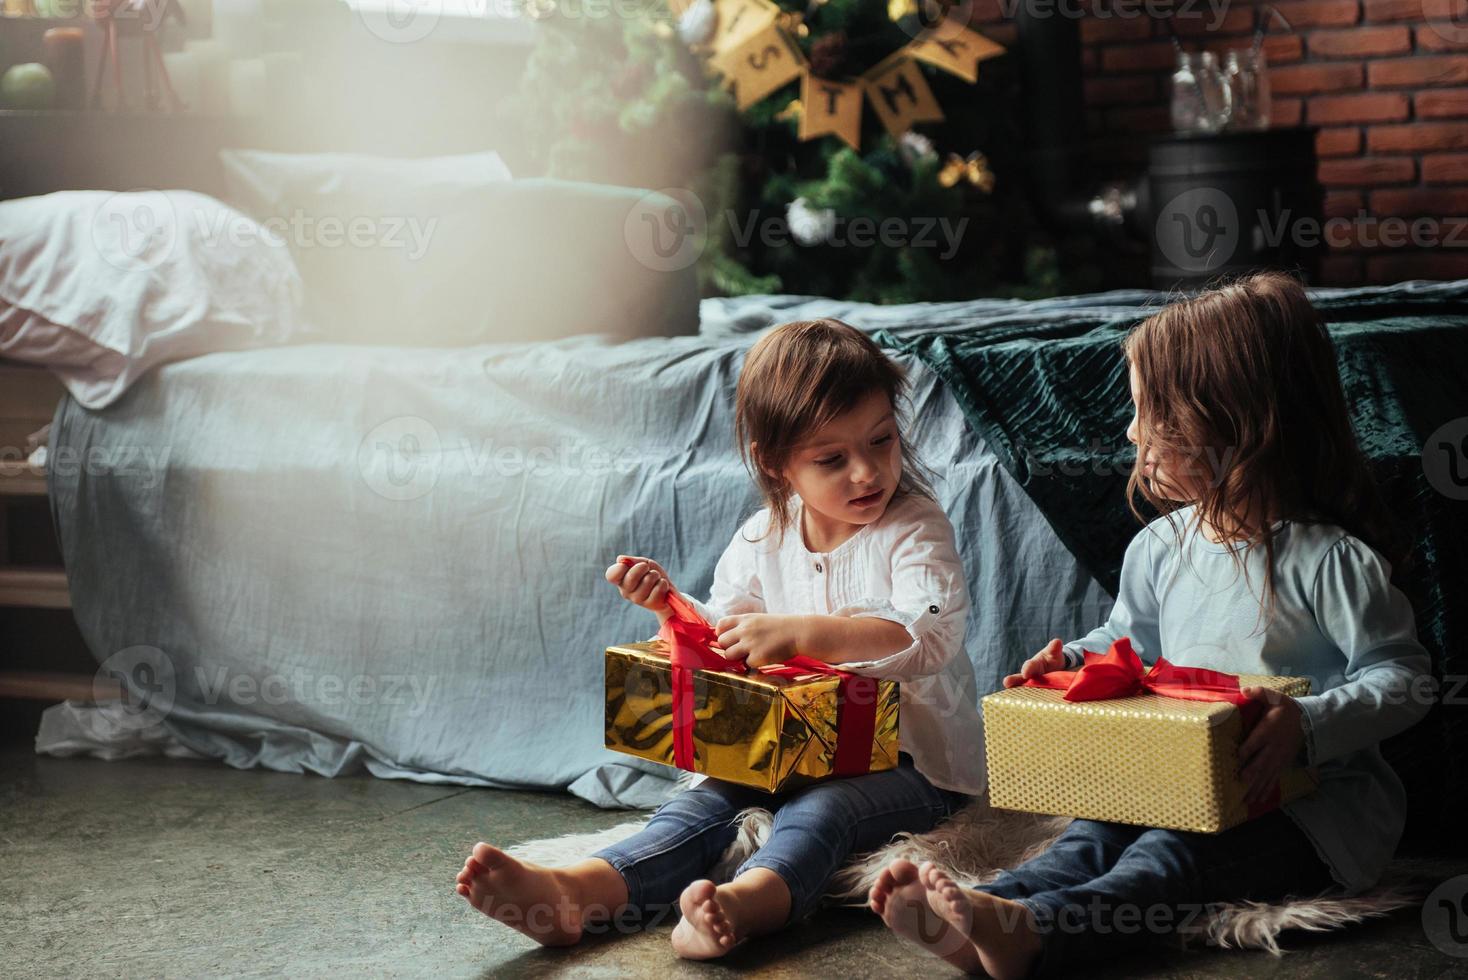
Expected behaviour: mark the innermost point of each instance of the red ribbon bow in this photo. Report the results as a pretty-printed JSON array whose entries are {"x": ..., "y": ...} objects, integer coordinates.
[
  {"x": 692, "y": 645},
  {"x": 1118, "y": 673}
]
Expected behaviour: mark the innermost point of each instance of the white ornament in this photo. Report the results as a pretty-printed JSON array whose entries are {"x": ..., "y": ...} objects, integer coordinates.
[
  {"x": 913, "y": 147},
  {"x": 810, "y": 226},
  {"x": 696, "y": 24}
]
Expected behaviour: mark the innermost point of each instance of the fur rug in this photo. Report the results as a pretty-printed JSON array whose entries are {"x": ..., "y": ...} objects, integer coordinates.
[{"x": 979, "y": 841}]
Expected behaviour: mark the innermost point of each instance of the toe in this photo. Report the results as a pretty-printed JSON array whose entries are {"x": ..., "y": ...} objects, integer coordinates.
[
  {"x": 489, "y": 857},
  {"x": 902, "y": 872}
]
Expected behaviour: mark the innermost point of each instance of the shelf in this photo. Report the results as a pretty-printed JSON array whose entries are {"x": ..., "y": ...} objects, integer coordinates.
[
  {"x": 51, "y": 686},
  {"x": 20, "y": 479},
  {"x": 34, "y": 588}
]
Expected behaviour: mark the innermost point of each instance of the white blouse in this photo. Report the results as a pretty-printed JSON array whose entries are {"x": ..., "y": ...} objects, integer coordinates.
[{"x": 903, "y": 567}]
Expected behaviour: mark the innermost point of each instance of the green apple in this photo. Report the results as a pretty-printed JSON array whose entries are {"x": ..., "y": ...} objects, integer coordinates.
[{"x": 27, "y": 86}]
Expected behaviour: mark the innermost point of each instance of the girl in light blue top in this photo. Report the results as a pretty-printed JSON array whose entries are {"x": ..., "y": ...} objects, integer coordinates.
[{"x": 1272, "y": 557}]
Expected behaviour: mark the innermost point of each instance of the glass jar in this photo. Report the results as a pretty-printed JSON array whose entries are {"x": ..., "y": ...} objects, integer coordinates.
[{"x": 1247, "y": 76}]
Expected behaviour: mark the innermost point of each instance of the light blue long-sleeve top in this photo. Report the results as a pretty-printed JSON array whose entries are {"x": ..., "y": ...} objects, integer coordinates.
[{"x": 1337, "y": 620}]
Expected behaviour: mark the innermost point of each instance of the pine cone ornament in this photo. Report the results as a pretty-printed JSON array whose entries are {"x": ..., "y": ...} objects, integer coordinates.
[{"x": 828, "y": 55}]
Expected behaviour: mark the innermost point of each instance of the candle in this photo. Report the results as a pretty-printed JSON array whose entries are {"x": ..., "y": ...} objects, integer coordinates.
[
  {"x": 187, "y": 78},
  {"x": 247, "y": 87},
  {"x": 239, "y": 25},
  {"x": 66, "y": 58},
  {"x": 213, "y": 70}
]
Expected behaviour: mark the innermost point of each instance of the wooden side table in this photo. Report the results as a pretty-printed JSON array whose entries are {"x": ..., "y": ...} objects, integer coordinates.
[{"x": 28, "y": 398}]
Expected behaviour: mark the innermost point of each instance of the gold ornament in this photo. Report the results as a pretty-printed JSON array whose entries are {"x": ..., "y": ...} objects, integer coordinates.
[
  {"x": 898, "y": 9},
  {"x": 974, "y": 168},
  {"x": 791, "y": 111}
]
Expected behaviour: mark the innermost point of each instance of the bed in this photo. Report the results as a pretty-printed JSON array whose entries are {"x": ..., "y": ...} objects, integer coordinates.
[
  {"x": 391, "y": 559},
  {"x": 340, "y": 556}
]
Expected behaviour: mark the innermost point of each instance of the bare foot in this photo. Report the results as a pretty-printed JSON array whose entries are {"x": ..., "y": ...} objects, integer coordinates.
[
  {"x": 537, "y": 901},
  {"x": 902, "y": 902},
  {"x": 709, "y": 926},
  {"x": 1002, "y": 932}
]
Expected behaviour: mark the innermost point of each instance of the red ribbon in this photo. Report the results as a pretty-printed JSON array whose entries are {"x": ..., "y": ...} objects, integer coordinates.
[
  {"x": 692, "y": 645},
  {"x": 1118, "y": 673}
]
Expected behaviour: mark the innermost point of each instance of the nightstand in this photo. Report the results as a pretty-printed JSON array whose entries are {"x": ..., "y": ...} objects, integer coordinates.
[{"x": 31, "y": 576}]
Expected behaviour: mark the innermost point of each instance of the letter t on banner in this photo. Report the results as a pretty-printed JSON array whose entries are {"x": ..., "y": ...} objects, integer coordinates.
[{"x": 830, "y": 107}]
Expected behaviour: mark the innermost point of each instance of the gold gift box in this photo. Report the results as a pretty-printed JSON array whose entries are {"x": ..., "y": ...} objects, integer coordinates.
[
  {"x": 772, "y": 733},
  {"x": 1148, "y": 760}
]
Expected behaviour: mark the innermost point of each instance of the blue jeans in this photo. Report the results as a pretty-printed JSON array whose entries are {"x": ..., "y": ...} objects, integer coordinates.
[
  {"x": 1104, "y": 888},
  {"x": 816, "y": 829}
]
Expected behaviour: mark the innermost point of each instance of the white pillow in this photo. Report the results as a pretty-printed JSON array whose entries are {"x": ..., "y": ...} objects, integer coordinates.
[
  {"x": 392, "y": 251},
  {"x": 100, "y": 287}
]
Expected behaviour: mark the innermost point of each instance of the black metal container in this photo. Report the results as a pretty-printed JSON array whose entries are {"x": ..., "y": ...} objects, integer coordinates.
[{"x": 1231, "y": 203}]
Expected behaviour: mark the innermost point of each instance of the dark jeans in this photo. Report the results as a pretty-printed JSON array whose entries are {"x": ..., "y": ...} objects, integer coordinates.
[
  {"x": 1104, "y": 888},
  {"x": 816, "y": 829}
]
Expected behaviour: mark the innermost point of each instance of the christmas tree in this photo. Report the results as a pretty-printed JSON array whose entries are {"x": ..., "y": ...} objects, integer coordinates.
[{"x": 935, "y": 212}]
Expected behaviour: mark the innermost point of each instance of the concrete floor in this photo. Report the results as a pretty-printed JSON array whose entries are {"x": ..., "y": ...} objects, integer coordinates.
[{"x": 189, "y": 869}]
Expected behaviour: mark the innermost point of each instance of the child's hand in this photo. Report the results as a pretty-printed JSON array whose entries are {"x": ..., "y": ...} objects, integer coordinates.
[
  {"x": 1273, "y": 743},
  {"x": 643, "y": 582},
  {"x": 759, "y": 638},
  {"x": 1048, "y": 659}
]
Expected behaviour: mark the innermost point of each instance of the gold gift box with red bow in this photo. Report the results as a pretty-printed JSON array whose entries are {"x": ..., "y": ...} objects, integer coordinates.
[
  {"x": 772, "y": 733},
  {"x": 1149, "y": 760}
]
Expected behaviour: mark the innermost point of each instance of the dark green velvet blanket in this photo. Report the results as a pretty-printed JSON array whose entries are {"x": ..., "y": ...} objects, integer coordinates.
[{"x": 1050, "y": 396}]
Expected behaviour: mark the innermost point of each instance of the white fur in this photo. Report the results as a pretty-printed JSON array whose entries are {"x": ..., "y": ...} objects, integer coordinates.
[{"x": 979, "y": 841}]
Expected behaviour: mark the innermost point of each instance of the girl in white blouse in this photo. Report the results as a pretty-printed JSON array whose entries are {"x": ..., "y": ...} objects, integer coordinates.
[{"x": 851, "y": 562}]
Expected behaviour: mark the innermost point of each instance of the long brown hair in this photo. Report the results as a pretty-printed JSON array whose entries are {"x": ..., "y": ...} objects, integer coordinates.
[
  {"x": 797, "y": 378},
  {"x": 1245, "y": 377}
]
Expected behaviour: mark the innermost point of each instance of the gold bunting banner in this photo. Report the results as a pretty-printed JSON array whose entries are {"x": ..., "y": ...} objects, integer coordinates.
[
  {"x": 900, "y": 95},
  {"x": 956, "y": 50},
  {"x": 760, "y": 65},
  {"x": 740, "y": 20},
  {"x": 754, "y": 51},
  {"x": 828, "y": 107}
]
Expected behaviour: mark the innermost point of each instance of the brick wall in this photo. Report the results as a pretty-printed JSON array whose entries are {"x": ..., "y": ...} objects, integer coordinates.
[{"x": 1386, "y": 81}]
